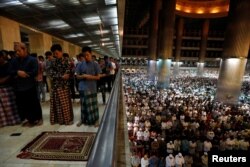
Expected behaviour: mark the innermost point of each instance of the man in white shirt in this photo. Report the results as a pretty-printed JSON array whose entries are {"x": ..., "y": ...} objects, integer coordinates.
[
  {"x": 144, "y": 161},
  {"x": 170, "y": 161},
  {"x": 170, "y": 147},
  {"x": 179, "y": 160},
  {"x": 207, "y": 145},
  {"x": 135, "y": 160}
]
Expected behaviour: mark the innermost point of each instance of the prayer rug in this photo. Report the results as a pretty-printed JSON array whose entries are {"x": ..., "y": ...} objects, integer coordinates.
[{"x": 65, "y": 146}]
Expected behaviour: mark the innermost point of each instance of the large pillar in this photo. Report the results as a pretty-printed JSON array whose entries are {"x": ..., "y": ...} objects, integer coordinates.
[
  {"x": 72, "y": 50},
  {"x": 203, "y": 48},
  {"x": 39, "y": 43},
  {"x": 153, "y": 32},
  {"x": 78, "y": 49},
  {"x": 65, "y": 47},
  {"x": 166, "y": 42},
  {"x": 236, "y": 47},
  {"x": 9, "y": 33},
  {"x": 179, "y": 35}
]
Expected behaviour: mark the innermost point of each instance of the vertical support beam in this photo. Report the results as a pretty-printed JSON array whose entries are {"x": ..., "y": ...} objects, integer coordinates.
[
  {"x": 235, "y": 52},
  {"x": 179, "y": 35},
  {"x": 153, "y": 32},
  {"x": 203, "y": 48},
  {"x": 39, "y": 43},
  {"x": 9, "y": 33},
  {"x": 166, "y": 42}
]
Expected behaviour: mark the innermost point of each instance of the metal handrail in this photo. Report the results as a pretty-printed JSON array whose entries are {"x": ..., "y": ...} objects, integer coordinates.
[{"x": 103, "y": 151}]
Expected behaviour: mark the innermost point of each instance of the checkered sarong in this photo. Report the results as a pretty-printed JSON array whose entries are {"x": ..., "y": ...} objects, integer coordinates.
[
  {"x": 61, "y": 110},
  {"x": 89, "y": 107},
  {"x": 8, "y": 108}
]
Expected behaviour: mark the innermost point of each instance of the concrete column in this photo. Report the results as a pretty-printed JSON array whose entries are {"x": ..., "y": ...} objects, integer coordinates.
[
  {"x": 200, "y": 69},
  {"x": 65, "y": 47},
  {"x": 164, "y": 66},
  {"x": 230, "y": 80},
  {"x": 78, "y": 49},
  {"x": 72, "y": 50},
  {"x": 39, "y": 43},
  {"x": 176, "y": 68},
  {"x": 9, "y": 33},
  {"x": 153, "y": 32},
  {"x": 47, "y": 42},
  {"x": 166, "y": 42},
  {"x": 235, "y": 51},
  {"x": 203, "y": 48},
  {"x": 179, "y": 35}
]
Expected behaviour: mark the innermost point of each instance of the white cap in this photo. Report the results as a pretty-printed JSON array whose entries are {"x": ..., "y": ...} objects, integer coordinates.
[{"x": 179, "y": 154}]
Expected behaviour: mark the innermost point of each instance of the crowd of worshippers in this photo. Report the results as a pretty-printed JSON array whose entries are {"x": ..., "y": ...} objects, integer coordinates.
[
  {"x": 25, "y": 77},
  {"x": 178, "y": 126}
]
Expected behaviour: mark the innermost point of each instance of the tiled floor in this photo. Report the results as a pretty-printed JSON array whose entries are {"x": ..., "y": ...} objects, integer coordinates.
[{"x": 10, "y": 145}]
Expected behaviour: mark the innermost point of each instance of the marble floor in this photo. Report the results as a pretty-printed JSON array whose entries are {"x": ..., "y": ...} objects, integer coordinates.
[{"x": 10, "y": 146}]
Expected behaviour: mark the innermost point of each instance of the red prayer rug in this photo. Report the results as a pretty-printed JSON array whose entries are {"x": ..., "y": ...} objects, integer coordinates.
[{"x": 65, "y": 146}]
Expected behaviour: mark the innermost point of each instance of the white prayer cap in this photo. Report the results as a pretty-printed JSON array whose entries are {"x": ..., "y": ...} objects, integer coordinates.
[
  {"x": 179, "y": 154},
  {"x": 205, "y": 153}
]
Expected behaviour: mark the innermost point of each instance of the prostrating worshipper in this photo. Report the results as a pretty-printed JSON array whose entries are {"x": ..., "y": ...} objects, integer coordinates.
[
  {"x": 61, "y": 110},
  {"x": 24, "y": 69},
  {"x": 88, "y": 72},
  {"x": 8, "y": 109}
]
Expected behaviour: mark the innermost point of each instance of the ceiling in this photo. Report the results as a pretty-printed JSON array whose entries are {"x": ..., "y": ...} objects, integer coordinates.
[{"x": 82, "y": 22}]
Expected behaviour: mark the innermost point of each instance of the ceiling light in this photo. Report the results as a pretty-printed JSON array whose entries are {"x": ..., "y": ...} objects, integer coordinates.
[
  {"x": 103, "y": 32},
  {"x": 70, "y": 36},
  {"x": 34, "y": 1},
  {"x": 110, "y": 46},
  {"x": 105, "y": 39},
  {"x": 200, "y": 11},
  {"x": 215, "y": 10},
  {"x": 110, "y": 2},
  {"x": 58, "y": 24},
  {"x": 92, "y": 19},
  {"x": 114, "y": 29},
  {"x": 92, "y": 45},
  {"x": 88, "y": 2},
  {"x": 80, "y": 34},
  {"x": 87, "y": 41},
  {"x": 45, "y": 5},
  {"x": 108, "y": 43},
  {"x": 74, "y": 2},
  {"x": 111, "y": 12},
  {"x": 178, "y": 7},
  {"x": 11, "y": 3}
]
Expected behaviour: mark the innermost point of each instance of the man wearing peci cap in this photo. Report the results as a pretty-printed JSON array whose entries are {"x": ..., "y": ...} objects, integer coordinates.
[{"x": 24, "y": 69}]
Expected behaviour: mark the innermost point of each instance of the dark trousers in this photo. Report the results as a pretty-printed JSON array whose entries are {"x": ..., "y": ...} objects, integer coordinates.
[
  {"x": 72, "y": 87},
  {"x": 28, "y": 105}
]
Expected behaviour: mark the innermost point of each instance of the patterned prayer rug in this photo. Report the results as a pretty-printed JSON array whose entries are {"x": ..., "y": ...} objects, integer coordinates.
[{"x": 66, "y": 146}]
